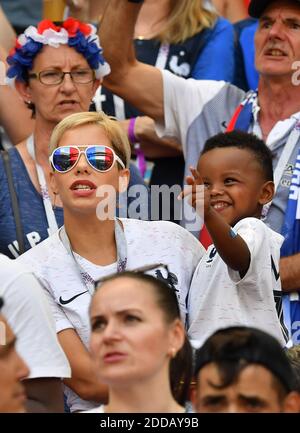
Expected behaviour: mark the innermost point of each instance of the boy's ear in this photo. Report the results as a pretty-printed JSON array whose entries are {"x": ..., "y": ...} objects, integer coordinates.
[{"x": 267, "y": 193}]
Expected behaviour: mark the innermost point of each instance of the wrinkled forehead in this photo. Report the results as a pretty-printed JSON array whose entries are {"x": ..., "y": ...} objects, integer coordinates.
[
  {"x": 59, "y": 58},
  {"x": 284, "y": 8}
]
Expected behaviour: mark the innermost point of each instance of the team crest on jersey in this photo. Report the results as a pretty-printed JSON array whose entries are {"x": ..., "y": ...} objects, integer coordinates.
[
  {"x": 212, "y": 255},
  {"x": 171, "y": 279}
]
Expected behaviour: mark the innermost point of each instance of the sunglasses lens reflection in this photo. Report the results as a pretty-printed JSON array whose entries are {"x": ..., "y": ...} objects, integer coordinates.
[
  {"x": 65, "y": 158},
  {"x": 100, "y": 157}
]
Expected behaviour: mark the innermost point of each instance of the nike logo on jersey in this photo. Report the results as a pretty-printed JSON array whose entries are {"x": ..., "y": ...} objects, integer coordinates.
[{"x": 67, "y": 301}]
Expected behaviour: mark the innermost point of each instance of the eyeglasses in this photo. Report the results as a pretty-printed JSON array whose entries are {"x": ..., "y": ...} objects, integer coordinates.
[
  {"x": 101, "y": 158},
  {"x": 53, "y": 77}
]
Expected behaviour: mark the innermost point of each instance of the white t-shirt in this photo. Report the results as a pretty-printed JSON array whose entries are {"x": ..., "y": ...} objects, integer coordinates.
[
  {"x": 148, "y": 242},
  {"x": 218, "y": 298},
  {"x": 27, "y": 312}
]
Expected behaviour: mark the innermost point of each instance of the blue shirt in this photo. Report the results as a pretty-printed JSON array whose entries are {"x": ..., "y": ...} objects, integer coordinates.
[{"x": 216, "y": 60}]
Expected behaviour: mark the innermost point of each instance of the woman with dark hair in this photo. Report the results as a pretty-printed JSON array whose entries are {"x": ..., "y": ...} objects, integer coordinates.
[{"x": 139, "y": 345}]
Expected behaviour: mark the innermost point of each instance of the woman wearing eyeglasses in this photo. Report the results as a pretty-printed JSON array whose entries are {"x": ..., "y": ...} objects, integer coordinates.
[
  {"x": 90, "y": 154},
  {"x": 56, "y": 70},
  {"x": 139, "y": 345}
]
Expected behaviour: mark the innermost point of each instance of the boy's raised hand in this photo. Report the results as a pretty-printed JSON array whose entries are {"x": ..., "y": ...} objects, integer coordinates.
[{"x": 196, "y": 193}]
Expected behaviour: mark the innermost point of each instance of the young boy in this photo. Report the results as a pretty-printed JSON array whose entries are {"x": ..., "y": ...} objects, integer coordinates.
[{"x": 235, "y": 281}]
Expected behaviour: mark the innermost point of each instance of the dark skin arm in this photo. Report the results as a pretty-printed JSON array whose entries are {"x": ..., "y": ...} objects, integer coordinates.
[
  {"x": 44, "y": 395},
  {"x": 139, "y": 84},
  {"x": 234, "y": 251}
]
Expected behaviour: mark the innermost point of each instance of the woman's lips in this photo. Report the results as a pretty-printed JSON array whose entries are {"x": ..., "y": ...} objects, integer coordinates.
[
  {"x": 114, "y": 357},
  {"x": 83, "y": 188}
]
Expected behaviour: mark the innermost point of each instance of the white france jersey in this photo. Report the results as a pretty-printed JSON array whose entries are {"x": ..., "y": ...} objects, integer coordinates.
[
  {"x": 219, "y": 298},
  {"x": 148, "y": 242}
]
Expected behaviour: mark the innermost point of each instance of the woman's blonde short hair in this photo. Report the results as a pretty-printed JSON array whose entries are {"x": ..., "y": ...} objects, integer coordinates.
[{"x": 111, "y": 127}]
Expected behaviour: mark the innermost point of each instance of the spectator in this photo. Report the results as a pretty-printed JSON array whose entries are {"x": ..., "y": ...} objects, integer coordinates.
[
  {"x": 28, "y": 313},
  {"x": 40, "y": 67},
  {"x": 93, "y": 243},
  {"x": 137, "y": 342},
  {"x": 194, "y": 110},
  {"x": 236, "y": 281},
  {"x": 12, "y": 371},
  {"x": 190, "y": 41},
  {"x": 243, "y": 369}
]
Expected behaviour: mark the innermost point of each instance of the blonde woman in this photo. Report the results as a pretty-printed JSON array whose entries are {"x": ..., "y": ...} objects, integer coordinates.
[
  {"x": 90, "y": 157},
  {"x": 190, "y": 41}
]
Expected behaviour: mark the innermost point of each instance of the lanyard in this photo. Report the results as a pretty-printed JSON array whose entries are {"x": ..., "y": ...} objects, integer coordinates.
[
  {"x": 121, "y": 244},
  {"x": 242, "y": 118},
  {"x": 52, "y": 224}
]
